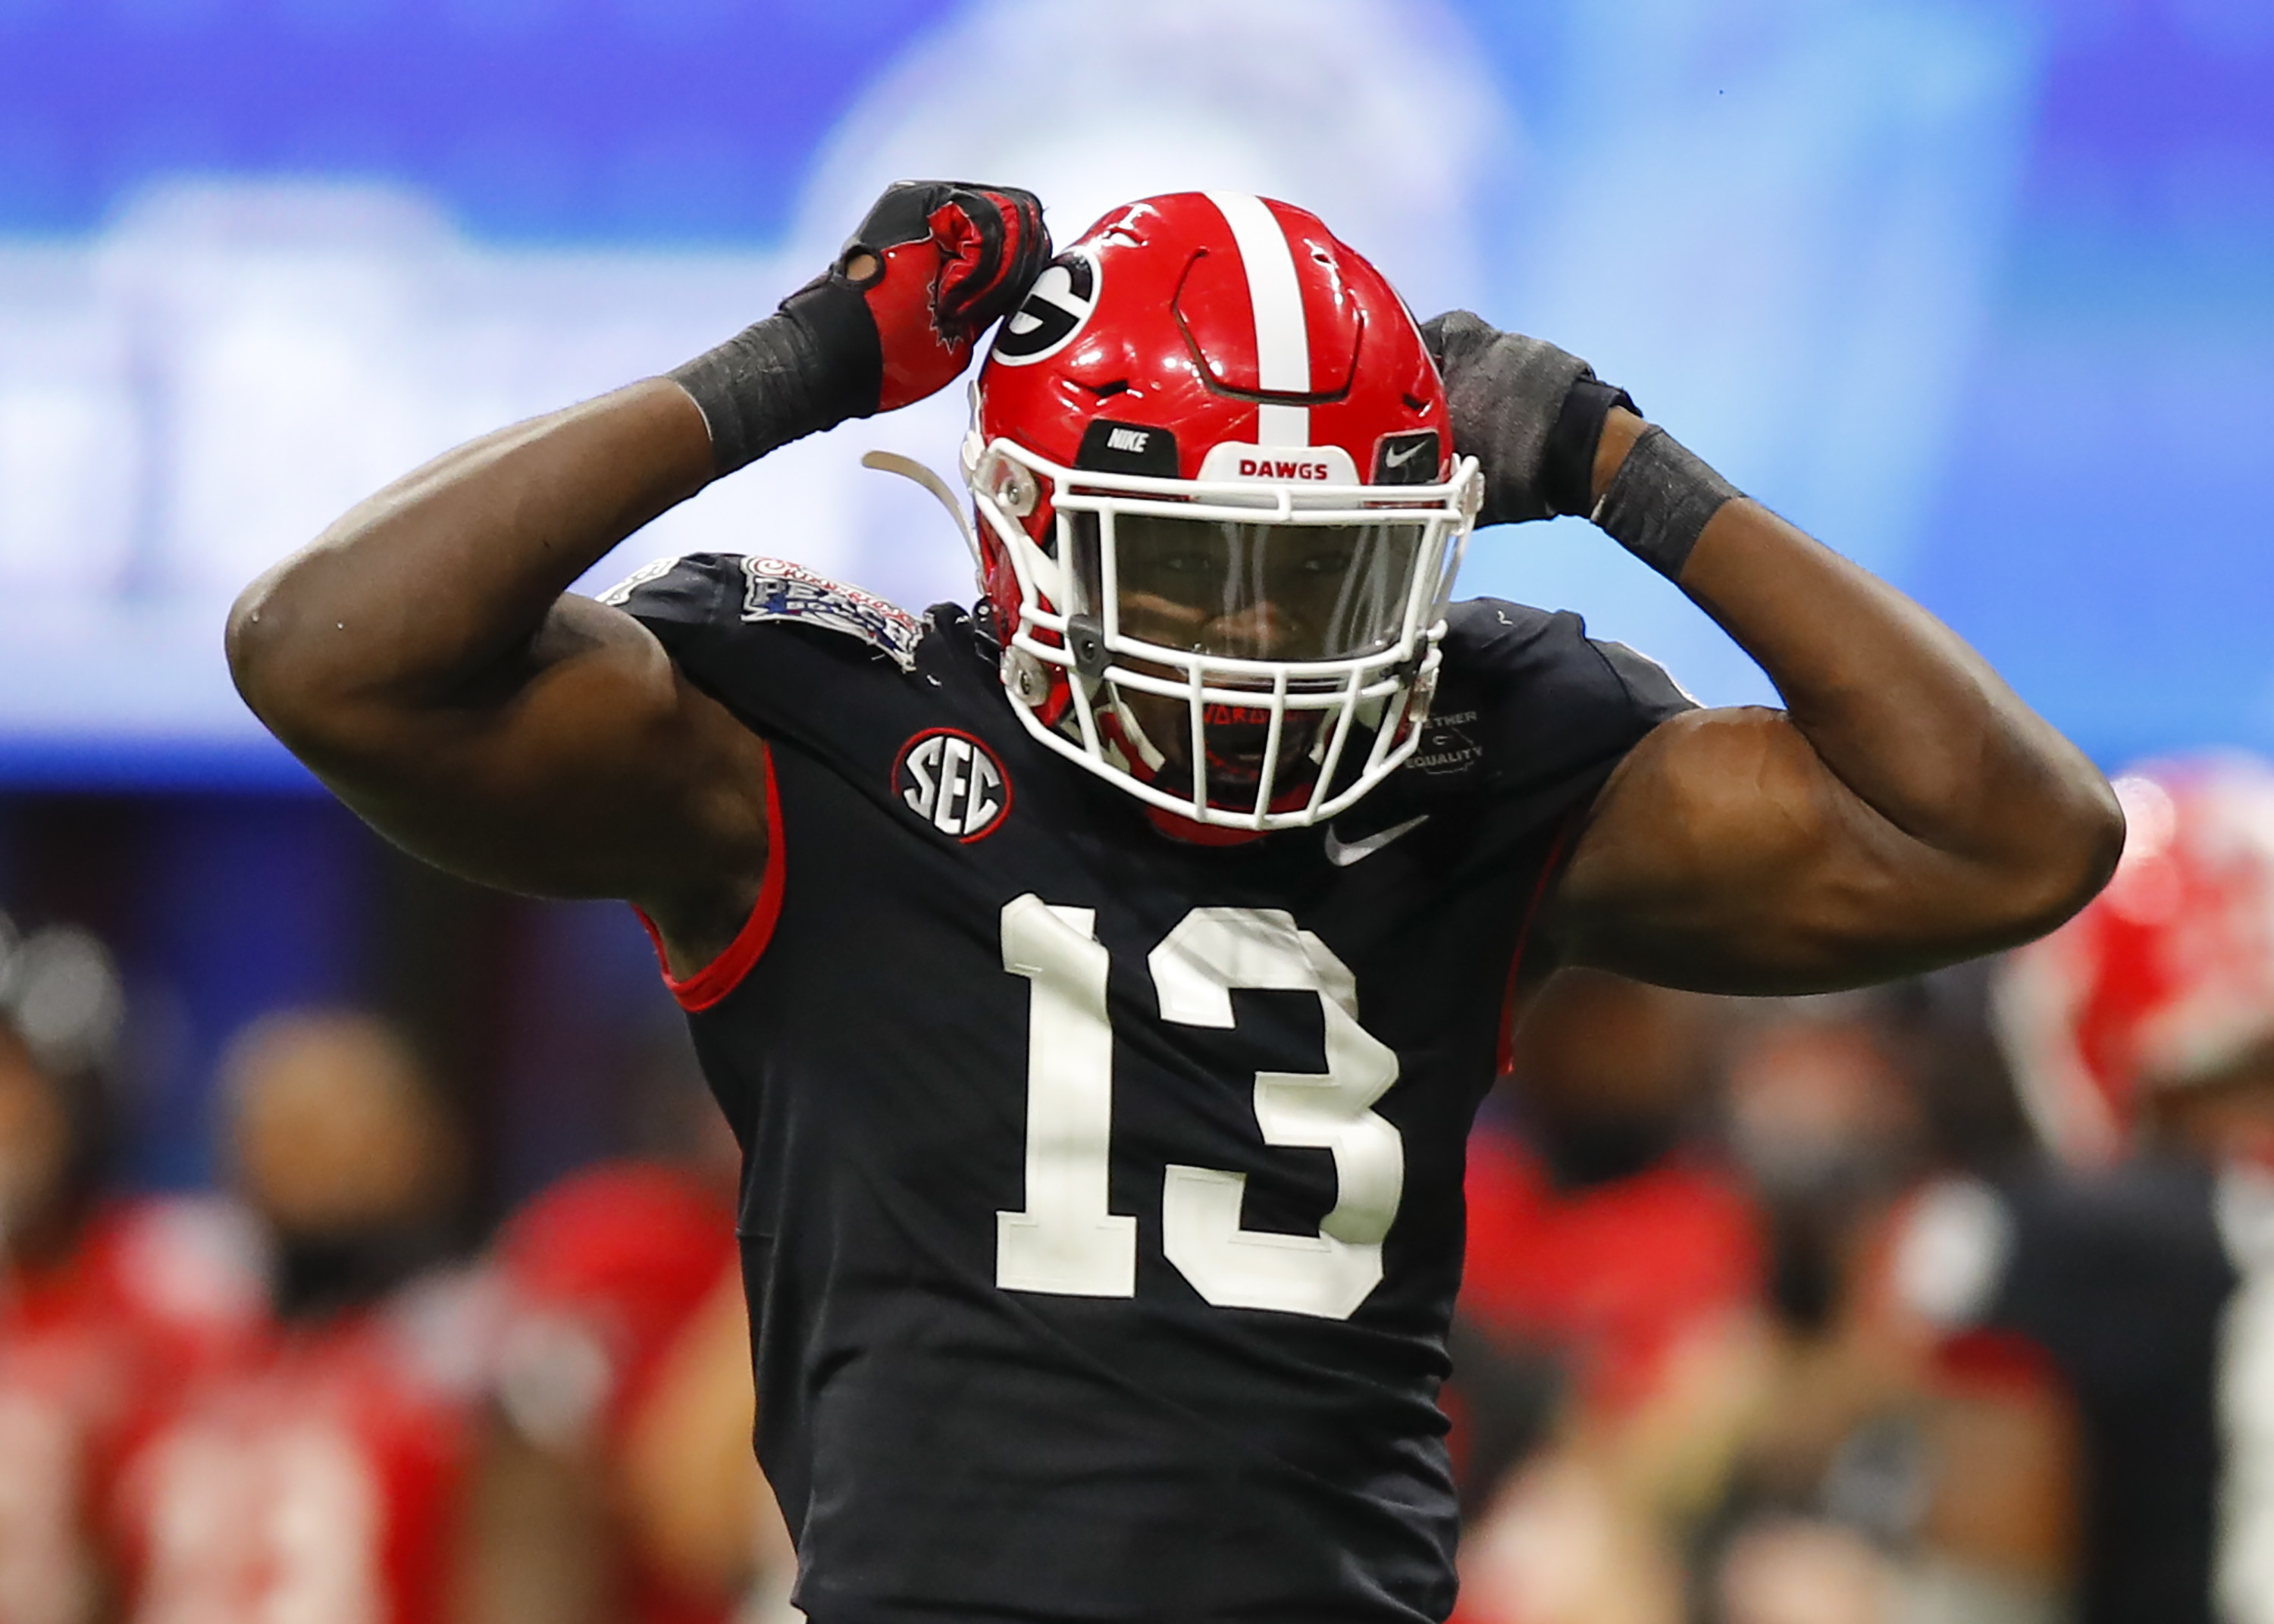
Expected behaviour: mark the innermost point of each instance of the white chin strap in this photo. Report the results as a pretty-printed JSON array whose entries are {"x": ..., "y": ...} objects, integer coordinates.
[
  {"x": 1131, "y": 729},
  {"x": 909, "y": 468}
]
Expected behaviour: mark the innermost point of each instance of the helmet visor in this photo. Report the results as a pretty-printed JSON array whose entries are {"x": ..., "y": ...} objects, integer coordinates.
[{"x": 1242, "y": 590}]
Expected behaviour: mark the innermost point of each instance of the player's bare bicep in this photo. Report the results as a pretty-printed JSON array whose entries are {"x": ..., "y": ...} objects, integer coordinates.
[
  {"x": 1724, "y": 854},
  {"x": 590, "y": 767}
]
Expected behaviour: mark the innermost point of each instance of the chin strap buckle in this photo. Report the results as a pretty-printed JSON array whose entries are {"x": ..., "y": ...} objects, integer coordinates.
[{"x": 1027, "y": 678}]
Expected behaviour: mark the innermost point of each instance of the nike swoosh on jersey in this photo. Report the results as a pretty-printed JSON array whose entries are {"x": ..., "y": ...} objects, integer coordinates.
[{"x": 1343, "y": 854}]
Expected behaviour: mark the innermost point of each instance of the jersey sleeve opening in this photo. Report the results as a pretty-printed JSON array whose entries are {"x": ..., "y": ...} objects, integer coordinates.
[
  {"x": 714, "y": 980},
  {"x": 1549, "y": 871}
]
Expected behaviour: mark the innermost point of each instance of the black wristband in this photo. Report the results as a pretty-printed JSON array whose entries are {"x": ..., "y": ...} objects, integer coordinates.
[
  {"x": 1567, "y": 470},
  {"x": 1658, "y": 502},
  {"x": 804, "y": 369}
]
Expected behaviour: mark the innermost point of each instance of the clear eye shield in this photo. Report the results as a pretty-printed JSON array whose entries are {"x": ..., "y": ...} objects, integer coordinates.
[{"x": 1243, "y": 589}]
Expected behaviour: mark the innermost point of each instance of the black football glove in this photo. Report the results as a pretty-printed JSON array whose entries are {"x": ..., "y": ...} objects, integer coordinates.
[
  {"x": 893, "y": 319},
  {"x": 1530, "y": 414}
]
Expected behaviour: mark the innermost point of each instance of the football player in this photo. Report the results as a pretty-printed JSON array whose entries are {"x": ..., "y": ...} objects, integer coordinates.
[
  {"x": 1605, "y": 1324},
  {"x": 317, "y": 1475},
  {"x": 1101, "y": 980},
  {"x": 107, "y": 1305},
  {"x": 595, "y": 1500},
  {"x": 2136, "y": 1270}
]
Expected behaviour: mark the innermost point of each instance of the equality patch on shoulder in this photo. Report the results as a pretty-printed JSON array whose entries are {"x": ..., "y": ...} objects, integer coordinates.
[{"x": 776, "y": 590}]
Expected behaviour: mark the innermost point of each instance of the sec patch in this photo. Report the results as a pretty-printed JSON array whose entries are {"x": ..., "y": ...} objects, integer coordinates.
[{"x": 952, "y": 781}]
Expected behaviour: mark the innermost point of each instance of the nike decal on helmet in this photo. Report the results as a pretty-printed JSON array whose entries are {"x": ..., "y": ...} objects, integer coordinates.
[
  {"x": 1410, "y": 458},
  {"x": 1127, "y": 448}
]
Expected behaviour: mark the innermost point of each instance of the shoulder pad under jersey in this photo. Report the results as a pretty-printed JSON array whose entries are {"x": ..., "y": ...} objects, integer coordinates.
[{"x": 1538, "y": 698}]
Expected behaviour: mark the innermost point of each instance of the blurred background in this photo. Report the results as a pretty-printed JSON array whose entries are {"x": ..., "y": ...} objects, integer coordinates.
[{"x": 1975, "y": 289}]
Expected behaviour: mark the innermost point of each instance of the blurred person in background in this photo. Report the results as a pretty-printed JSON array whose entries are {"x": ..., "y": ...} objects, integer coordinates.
[
  {"x": 107, "y": 1305},
  {"x": 1739, "y": 1438},
  {"x": 2111, "y": 1314},
  {"x": 1815, "y": 1519},
  {"x": 1607, "y": 1299},
  {"x": 616, "y": 1481},
  {"x": 318, "y": 1477}
]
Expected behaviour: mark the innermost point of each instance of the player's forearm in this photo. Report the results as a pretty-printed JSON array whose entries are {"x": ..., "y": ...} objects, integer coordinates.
[
  {"x": 426, "y": 590},
  {"x": 1912, "y": 721}
]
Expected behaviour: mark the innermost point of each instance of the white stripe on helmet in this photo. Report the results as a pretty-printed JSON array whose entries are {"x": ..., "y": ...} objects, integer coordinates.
[{"x": 1283, "y": 342}]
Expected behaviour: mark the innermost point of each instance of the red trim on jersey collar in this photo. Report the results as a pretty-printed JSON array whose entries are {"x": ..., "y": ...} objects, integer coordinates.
[{"x": 714, "y": 980}]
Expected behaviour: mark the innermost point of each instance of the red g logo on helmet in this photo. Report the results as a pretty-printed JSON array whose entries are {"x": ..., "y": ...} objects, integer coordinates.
[{"x": 952, "y": 781}]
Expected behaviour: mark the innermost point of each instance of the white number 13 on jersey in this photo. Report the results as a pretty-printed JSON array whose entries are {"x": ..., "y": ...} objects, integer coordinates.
[{"x": 1067, "y": 1240}]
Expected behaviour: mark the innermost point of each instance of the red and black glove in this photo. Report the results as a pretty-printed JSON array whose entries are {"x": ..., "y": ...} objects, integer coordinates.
[{"x": 895, "y": 318}]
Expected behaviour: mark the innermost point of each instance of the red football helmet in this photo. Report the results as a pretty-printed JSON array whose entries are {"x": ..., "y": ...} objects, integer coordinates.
[
  {"x": 2167, "y": 979},
  {"x": 1219, "y": 511}
]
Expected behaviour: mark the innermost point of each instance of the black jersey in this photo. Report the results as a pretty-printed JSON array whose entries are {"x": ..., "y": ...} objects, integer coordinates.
[
  {"x": 1102, "y": 1214},
  {"x": 2150, "y": 1288}
]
